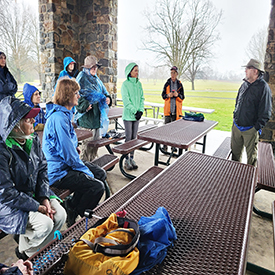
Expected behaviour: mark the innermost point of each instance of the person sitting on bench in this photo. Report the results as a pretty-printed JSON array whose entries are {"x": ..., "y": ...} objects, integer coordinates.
[
  {"x": 27, "y": 206},
  {"x": 65, "y": 168}
]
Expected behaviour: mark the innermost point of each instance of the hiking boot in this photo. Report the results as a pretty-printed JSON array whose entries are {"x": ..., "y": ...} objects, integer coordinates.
[
  {"x": 21, "y": 255},
  {"x": 71, "y": 212},
  {"x": 133, "y": 163},
  {"x": 128, "y": 165}
]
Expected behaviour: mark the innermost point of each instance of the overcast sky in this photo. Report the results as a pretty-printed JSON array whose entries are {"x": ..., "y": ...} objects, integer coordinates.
[{"x": 241, "y": 19}]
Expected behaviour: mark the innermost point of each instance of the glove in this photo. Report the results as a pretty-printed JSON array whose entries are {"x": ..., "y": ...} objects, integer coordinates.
[{"x": 138, "y": 115}]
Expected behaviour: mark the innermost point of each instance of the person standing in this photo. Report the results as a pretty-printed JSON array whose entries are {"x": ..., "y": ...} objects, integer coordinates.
[
  {"x": 173, "y": 95},
  {"x": 92, "y": 105},
  {"x": 8, "y": 85},
  {"x": 133, "y": 108},
  {"x": 27, "y": 205},
  {"x": 252, "y": 111},
  {"x": 32, "y": 97},
  {"x": 60, "y": 146}
]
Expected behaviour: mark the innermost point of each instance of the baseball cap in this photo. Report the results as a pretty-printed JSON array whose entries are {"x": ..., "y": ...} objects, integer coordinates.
[
  {"x": 32, "y": 113},
  {"x": 175, "y": 68}
]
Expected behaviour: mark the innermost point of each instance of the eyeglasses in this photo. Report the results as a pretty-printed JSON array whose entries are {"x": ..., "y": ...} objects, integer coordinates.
[
  {"x": 76, "y": 93},
  {"x": 36, "y": 94}
]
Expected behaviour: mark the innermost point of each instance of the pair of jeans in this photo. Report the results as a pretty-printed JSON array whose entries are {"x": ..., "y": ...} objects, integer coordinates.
[
  {"x": 131, "y": 129},
  {"x": 87, "y": 190}
]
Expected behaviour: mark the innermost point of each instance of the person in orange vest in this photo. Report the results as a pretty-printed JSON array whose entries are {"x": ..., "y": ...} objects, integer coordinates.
[{"x": 173, "y": 95}]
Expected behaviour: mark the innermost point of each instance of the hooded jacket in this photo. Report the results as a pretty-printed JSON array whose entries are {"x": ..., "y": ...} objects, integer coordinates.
[
  {"x": 132, "y": 95},
  {"x": 28, "y": 91},
  {"x": 253, "y": 104},
  {"x": 23, "y": 173},
  {"x": 167, "y": 100},
  {"x": 59, "y": 144},
  {"x": 8, "y": 85},
  {"x": 66, "y": 61}
]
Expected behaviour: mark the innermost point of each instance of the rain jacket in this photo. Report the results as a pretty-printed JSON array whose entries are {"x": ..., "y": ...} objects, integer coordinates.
[
  {"x": 253, "y": 104},
  {"x": 90, "y": 119},
  {"x": 8, "y": 85},
  {"x": 59, "y": 144},
  {"x": 132, "y": 95},
  {"x": 179, "y": 98},
  {"x": 28, "y": 91},
  {"x": 23, "y": 173}
]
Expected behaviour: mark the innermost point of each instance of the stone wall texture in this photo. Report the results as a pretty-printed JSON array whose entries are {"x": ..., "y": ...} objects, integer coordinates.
[
  {"x": 78, "y": 28},
  {"x": 268, "y": 134}
]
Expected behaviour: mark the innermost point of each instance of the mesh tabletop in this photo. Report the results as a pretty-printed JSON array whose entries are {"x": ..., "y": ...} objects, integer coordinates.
[
  {"x": 210, "y": 205},
  {"x": 209, "y": 200},
  {"x": 180, "y": 133}
]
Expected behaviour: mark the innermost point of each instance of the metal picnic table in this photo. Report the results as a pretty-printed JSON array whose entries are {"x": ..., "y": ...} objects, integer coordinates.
[
  {"x": 180, "y": 134},
  {"x": 212, "y": 237}
]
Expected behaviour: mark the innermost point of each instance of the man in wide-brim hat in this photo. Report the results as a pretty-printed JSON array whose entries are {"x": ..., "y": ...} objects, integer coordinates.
[{"x": 252, "y": 112}]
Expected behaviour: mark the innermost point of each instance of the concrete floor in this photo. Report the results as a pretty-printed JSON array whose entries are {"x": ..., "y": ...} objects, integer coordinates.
[{"x": 260, "y": 250}]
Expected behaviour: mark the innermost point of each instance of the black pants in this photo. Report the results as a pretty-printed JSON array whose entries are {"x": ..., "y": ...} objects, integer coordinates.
[{"x": 87, "y": 190}]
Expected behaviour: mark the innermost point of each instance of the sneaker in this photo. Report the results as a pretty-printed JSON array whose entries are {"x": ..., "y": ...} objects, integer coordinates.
[
  {"x": 21, "y": 255},
  {"x": 133, "y": 163},
  {"x": 71, "y": 213},
  {"x": 128, "y": 165}
]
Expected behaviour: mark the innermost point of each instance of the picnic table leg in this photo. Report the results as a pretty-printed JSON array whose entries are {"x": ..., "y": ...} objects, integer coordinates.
[
  {"x": 204, "y": 144},
  {"x": 107, "y": 189},
  {"x": 147, "y": 149},
  {"x": 259, "y": 212},
  {"x": 157, "y": 154},
  {"x": 124, "y": 173}
]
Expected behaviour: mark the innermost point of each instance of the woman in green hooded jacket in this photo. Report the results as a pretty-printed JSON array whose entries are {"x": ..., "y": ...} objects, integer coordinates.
[{"x": 133, "y": 102}]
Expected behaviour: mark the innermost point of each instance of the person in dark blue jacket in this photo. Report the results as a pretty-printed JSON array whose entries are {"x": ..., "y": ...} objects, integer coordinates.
[
  {"x": 60, "y": 145},
  {"x": 27, "y": 206},
  {"x": 32, "y": 96},
  {"x": 19, "y": 268},
  {"x": 8, "y": 85}
]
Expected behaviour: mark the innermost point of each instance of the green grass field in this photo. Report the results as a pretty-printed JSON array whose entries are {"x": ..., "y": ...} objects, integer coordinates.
[{"x": 218, "y": 95}]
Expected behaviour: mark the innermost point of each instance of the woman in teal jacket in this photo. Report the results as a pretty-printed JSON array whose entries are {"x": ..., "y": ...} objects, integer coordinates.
[{"x": 133, "y": 102}]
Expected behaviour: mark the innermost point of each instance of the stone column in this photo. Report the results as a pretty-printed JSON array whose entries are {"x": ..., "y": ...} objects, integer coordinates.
[
  {"x": 268, "y": 133},
  {"x": 78, "y": 28}
]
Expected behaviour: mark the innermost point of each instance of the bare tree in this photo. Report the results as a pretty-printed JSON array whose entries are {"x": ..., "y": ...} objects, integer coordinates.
[
  {"x": 16, "y": 30},
  {"x": 256, "y": 47},
  {"x": 181, "y": 32}
]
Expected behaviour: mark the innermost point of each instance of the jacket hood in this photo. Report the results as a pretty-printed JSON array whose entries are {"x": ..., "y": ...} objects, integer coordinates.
[
  {"x": 67, "y": 60},
  {"x": 11, "y": 111},
  {"x": 52, "y": 108},
  {"x": 129, "y": 68},
  {"x": 28, "y": 91}
]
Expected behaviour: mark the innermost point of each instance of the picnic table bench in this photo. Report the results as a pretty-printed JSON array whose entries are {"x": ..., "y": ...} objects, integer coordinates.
[
  {"x": 108, "y": 141},
  {"x": 54, "y": 252},
  {"x": 125, "y": 149},
  {"x": 224, "y": 150},
  {"x": 266, "y": 173}
]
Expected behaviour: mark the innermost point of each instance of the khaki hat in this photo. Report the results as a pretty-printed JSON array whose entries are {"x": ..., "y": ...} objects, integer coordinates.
[
  {"x": 255, "y": 64},
  {"x": 90, "y": 61}
]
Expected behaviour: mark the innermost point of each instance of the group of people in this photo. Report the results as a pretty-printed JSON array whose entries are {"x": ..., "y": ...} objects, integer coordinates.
[{"x": 28, "y": 207}]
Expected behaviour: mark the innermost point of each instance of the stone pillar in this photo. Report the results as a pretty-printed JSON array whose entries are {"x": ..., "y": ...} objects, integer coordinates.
[
  {"x": 268, "y": 133},
  {"x": 78, "y": 28}
]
